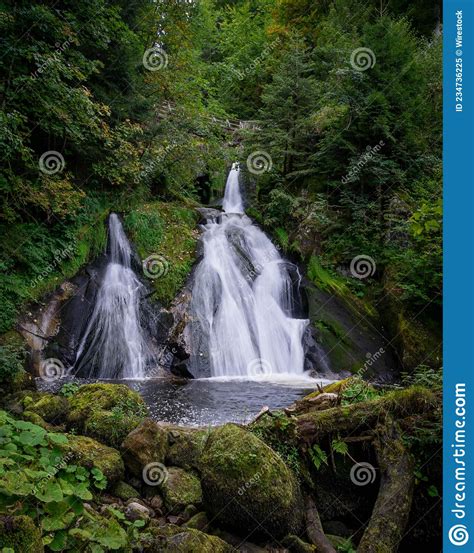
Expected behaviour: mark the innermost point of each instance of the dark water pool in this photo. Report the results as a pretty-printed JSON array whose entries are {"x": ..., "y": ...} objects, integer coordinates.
[{"x": 211, "y": 401}]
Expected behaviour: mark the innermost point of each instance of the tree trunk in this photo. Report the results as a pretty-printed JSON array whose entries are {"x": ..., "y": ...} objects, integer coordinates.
[{"x": 392, "y": 507}]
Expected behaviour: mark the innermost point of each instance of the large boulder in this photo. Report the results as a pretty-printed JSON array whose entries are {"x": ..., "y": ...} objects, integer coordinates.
[
  {"x": 174, "y": 539},
  {"x": 247, "y": 487},
  {"x": 89, "y": 453},
  {"x": 91, "y": 398},
  {"x": 185, "y": 447},
  {"x": 51, "y": 408},
  {"x": 144, "y": 446},
  {"x": 179, "y": 489},
  {"x": 111, "y": 428},
  {"x": 20, "y": 534}
]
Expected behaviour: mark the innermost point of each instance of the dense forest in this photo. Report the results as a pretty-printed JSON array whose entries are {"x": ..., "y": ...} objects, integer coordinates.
[{"x": 333, "y": 110}]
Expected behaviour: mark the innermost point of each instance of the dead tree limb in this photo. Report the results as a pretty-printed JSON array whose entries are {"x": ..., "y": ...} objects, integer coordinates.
[{"x": 314, "y": 528}]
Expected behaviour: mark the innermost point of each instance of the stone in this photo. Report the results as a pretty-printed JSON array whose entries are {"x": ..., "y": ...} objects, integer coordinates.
[
  {"x": 143, "y": 446},
  {"x": 175, "y": 539},
  {"x": 124, "y": 491},
  {"x": 136, "y": 511},
  {"x": 20, "y": 534},
  {"x": 247, "y": 487},
  {"x": 89, "y": 453},
  {"x": 180, "y": 489}
]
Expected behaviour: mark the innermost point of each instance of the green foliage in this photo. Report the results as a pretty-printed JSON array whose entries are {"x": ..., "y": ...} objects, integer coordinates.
[
  {"x": 358, "y": 390},
  {"x": 69, "y": 389},
  {"x": 424, "y": 376},
  {"x": 168, "y": 231},
  {"x": 278, "y": 432},
  {"x": 318, "y": 456},
  {"x": 12, "y": 359},
  {"x": 37, "y": 480}
]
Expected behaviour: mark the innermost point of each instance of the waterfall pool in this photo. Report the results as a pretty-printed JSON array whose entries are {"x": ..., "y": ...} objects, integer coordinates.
[{"x": 214, "y": 401}]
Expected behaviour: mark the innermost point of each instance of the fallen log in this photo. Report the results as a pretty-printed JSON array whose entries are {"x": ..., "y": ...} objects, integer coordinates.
[{"x": 313, "y": 427}]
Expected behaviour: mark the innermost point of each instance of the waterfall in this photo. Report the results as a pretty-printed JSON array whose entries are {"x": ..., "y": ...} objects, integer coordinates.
[
  {"x": 242, "y": 302},
  {"x": 113, "y": 344}
]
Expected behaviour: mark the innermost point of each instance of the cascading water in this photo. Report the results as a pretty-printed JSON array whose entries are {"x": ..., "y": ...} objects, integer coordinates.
[
  {"x": 243, "y": 300},
  {"x": 113, "y": 344}
]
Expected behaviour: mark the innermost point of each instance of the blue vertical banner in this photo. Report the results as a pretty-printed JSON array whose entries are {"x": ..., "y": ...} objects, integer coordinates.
[{"x": 458, "y": 488}]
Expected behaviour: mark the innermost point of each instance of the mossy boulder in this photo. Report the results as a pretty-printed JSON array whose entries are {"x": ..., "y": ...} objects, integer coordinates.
[
  {"x": 246, "y": 485},
  {"x": 20, "y": 534},
  {"x": 124, "y": 491},
  {"x": 175, "y": 539},
  {"x": 89, "y": 453},
  {"x": 180, "y": 489},
  {"x": 91, "y": 398},
  {"x": 185, "y": 447},
  {"x": 144, "y": 445},
  {"x": 50, "y": 407},
  {"x": 199, "y": 522},
  {"x": 110, "y": 427}
]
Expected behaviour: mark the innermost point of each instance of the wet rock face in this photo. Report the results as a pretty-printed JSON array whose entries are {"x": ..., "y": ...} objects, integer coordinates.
[{"x": 354, "y": 341}]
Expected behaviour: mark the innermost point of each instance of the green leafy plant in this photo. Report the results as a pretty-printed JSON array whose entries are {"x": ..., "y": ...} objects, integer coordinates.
[
  {"x": 318, "y": 456},
  {"x": 38, "y": 480},
  {"x": 69, "y": 389},
  {"x": 359, "y": 390}
]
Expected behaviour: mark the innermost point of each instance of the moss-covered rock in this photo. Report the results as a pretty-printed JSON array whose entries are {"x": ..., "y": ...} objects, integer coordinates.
[
  {"x": 51, "y": 408},
  {"x": 90, "y": 453},
  {"x": 144, "y": 445},
  {"x": 180, "y": 489},
  {"x": 91, "y": 398},
  {"x": 199, "y": 522},
  {"x": 185, "y": 447},
  {"x": 124, "y": 491},
  {"x": 110, "y": 427},
  {"x": 174, "y": 539},
  {"x": 247, "y": 486},
  {"x": 20, "y": 534}
]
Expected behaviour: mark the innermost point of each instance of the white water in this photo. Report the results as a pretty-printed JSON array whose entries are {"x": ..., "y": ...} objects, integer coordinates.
[
  {"x": 242, "y": 298},
  {"x": 114, "y": 345}
]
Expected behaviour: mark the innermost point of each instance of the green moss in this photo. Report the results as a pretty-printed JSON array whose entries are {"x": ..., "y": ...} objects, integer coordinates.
[
  {"x": 89, "y": 453},
  {"x": 20, "y": 534},
  {"x": 335, "y": 284},
  {"x": 245, "y": 481},
  {"x": 124, "y": 491},
  {"x": 144, "y": 445},
  {"x": 199, "y": 522},
  {"x": 185, "y": 448},
  {"x": 91, "y": 398},
  {"x": 51, "y": 408},
  {"x": 174, "y": 539},
  {"x": 111, "y": 427},
  {"x": 167, "y": 230},
  {"x": 180, "y": 489}
]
